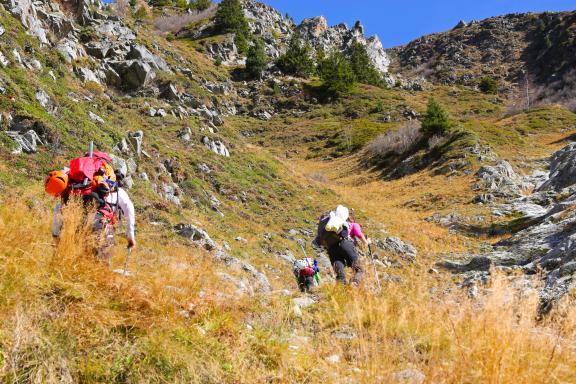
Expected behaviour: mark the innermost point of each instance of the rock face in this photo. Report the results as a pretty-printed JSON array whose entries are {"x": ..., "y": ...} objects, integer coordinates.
[
  {"x": 548, "y": 239},
  {"x": 117, "y": 60},
  {"x": 562, "y": 169},
  {"x": 340, "y": 37},
  {"x": 501, "y": 47},
  {"x": 276, "y": 32}
]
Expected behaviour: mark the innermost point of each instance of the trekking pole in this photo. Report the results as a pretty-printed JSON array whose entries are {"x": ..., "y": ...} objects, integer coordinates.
[
  {"x": 374, "y": 267},
  {"x": 125, "y": 272},
  {"x": 91, "y": 149}
]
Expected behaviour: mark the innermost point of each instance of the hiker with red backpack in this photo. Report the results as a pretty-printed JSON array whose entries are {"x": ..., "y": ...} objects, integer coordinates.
[
  {"x": 334, "y": 235},
  {"x": 92, "y": 178},
  {"x": 307, "y": 273}
]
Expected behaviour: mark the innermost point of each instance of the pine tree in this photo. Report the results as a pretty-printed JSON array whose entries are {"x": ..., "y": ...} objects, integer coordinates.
[
  {"x": 256, "y": 60},
  {"x": 337, "y": 74},
  {"x": 362, "y": 66},
  {"x": 436, "y": 121},
  {"x": 298, "y": 59},
  {"x": 230, "y": 17}
]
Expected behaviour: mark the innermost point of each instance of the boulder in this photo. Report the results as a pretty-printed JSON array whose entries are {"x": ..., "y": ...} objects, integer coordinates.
[
  {"x": 44, "y": 100},
  {"x": 86, "y": 74},
  {"x": 70, "y": 50},
  {"x": 196, "y": 235},
  {"x": 142, "y": 54},
  {"x": 95, "y": 118},
  {"x": 27, "y": 142},
  {"x": 216, "y": 146},
  {"x": 562, "y": 169},
  {"x": 398, "y": 247},
  {"x": 3, "y": 60},
  {"x": 134, "y": 74}
]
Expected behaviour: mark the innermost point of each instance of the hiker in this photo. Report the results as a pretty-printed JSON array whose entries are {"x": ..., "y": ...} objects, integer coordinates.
[
  {"x": 334, "y": 235},
  {"x": 356, "y": 234},
  {"x": 307, "y": 273},
  {"x": 93, "y": 178}
]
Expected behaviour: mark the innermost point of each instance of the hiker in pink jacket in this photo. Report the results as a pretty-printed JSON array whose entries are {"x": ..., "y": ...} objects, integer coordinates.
[{"x": 356, "y": 234}]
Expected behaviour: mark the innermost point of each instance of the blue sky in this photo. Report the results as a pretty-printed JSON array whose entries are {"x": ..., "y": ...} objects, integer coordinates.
[{"x": 400, "y": 21}]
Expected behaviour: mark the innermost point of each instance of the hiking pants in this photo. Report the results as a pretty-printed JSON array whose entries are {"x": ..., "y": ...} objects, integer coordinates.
[{"x": 344, "y": 255}]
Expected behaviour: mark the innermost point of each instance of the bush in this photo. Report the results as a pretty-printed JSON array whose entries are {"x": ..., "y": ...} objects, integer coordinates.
[
  {"x": 218, "y": 61},
  {"x": 181, "y": 4},
  {"x": 337, "y": 74},
  {"x": 298, "y": 59},
  {"x": 201, "y": 5},
  {"x": 140, "y": 13},
  {"x": 256, "y": 60},
  {"x": 436, "y": 121},
  {"x": 242, "y": 42},
  {"x": 488, "y": 85},
  {"x": 362, "y": 66},
  {"x": 396, "y": 142}
]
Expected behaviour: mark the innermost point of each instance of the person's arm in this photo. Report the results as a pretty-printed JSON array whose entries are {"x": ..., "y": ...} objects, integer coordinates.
[{"x": 125, "y": 204}]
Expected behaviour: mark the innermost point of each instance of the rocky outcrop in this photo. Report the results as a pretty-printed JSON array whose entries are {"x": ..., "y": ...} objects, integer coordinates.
[
  {"x": 340, "y": 37},
  {"x": 546, "y": 237},
  {"x": 116, "y": 59},
  {"x": 504, "y": 47}
]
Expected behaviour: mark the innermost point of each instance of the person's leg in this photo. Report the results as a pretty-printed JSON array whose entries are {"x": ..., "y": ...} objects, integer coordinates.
[
  {"x": 352, "y": 260},
  {"x": 310, "y": 283},
  {"x": 338, "y": 263}
]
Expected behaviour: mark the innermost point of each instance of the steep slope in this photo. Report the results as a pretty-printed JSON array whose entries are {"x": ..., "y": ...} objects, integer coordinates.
[{"x": 228, "y": 179}]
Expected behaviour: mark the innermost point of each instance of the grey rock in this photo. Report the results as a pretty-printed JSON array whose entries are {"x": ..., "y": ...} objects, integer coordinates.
[
  {"x": 27, "y": 142},
  {"x": 70, "y": 49},
  {"x": 3, "y": 60},
  {"x": 2, "y": 30},
  {"x": 170, "y": 93},
  {"x": 478, "y": 263},
  {"x": 409, "y": 376},
  {"x": 398, "y": 247},
  {"x": 134, "y": 74},
  {"x": 86, "y": 74},
  {"x": 196, "y": 235},
  {"x": 185, "y": 134},
  {"x": 44, "y": 100},
  {"x": 562, "y": 169},
  {"x": 95, "y": 118},
  {"x": 142, "y": 54},
  {"x": 216, "y": 146}
]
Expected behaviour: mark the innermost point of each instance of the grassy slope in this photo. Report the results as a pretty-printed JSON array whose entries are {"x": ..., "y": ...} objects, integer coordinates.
[{"x": 65, "y": 318}]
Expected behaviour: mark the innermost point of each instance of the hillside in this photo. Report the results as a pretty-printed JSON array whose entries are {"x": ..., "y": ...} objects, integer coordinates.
[
  {"x": 472, "y": 276},
  {"x": 534, "y": 51}
]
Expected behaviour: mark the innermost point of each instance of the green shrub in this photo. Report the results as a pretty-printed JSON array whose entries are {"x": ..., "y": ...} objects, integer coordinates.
[
  {"x": 256, "y": 60},
  {"x": 337, "y": 74},
  {"x": 218, "y": 61},
  {"x": 364, "y": 70},
  {"x": 181, "y": 4},
  {"x": 140, "y": 13},
  {"x": 436, "y": 121},
  {"x": 488, "y": 85},
  {"x": 298, "y": 59},
  {"x": 201, "y": 5}
]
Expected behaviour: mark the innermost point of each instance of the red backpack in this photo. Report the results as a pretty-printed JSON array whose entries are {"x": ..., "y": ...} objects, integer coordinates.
[{"x": 83, "y": 172}]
